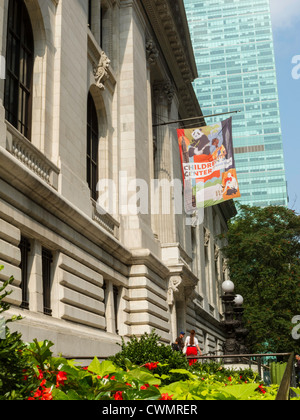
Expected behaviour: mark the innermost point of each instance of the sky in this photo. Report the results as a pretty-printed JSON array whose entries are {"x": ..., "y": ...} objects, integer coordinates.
[{"x": 286, "y": 31}]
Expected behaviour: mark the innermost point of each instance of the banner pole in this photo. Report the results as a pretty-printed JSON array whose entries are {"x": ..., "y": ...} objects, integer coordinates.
[{"x": 195, "y": 118}]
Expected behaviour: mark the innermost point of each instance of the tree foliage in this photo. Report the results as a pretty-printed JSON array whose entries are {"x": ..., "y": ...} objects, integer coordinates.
[{"x": 263, "y": 255}]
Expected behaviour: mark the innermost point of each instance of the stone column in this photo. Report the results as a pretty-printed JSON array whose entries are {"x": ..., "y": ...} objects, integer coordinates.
[
  {"x": 174, "y": 284},
  {"x": 3, "y": 19},
  {"x": 163, "y": 96},
  {"x": 109, "y": 308},
  {"x": 35, "y": 285}
]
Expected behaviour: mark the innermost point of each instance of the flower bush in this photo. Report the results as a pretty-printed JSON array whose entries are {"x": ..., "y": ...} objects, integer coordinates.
[{"x": 148, "y": 349}]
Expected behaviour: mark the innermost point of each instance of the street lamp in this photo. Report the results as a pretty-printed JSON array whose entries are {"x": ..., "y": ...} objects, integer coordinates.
[
  {"x": 228, "y": 286},
  {"x": 230, "y": 346},
  {"x": 240, "y": 331},
  {"x": 239, "y": 300}
]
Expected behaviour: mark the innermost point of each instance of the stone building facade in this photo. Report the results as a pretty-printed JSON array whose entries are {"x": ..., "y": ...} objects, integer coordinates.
[{"x": 87, "y": 84}]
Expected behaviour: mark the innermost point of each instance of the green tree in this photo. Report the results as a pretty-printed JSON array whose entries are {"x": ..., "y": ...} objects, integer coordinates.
[
  {"x": 263, "y": 255},
  {"x": 14, "y": 366}
]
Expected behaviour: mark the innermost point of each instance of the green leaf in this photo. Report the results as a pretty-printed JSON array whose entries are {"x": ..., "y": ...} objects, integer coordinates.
[
  {"x": 102, "y": 369},
  {"x": 143, "y": 376},
  {"x": 240, "y": 392},
  {"x": 184, "y": 372},
  {"x": 59, "y": 395}
]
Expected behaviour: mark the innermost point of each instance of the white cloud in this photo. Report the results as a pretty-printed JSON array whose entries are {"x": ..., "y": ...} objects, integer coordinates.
[{"x": 284, "y": 12}]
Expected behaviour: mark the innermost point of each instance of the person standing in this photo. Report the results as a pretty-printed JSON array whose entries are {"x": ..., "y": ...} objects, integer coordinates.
[
  {"x": 180, "y": 340},
  {"x": 192, "y": 347}
]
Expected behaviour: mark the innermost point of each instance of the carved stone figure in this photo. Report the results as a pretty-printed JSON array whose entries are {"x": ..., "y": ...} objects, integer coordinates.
[
  {"x": 101, "y": 71},
  {"x": 152, "y": 52},
  {"x": 174, "y": 284}
]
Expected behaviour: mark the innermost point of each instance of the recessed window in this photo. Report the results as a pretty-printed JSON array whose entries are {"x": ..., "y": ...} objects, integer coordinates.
[
  {"x": 92, "y": 147},
  {"x": 19, "y": 68}
]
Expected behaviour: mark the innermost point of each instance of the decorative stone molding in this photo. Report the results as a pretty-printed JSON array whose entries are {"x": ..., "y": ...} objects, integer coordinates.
[
  {"x": 106, "y": 221},
  {"x": 95, "y": 56},
  {"x": 164, "y": 90},
  {"x": 152, "y": 52},
  {"x": 206, "y": 237},
  {"x": 189, "y": 105},
  {"x": 173, "y": 288},
  {"x": 217, "y": 252},
  {"x": 182, "y": 283},
  {"x": 164, "y": 15},
  {"x": 101, "y": 71}
]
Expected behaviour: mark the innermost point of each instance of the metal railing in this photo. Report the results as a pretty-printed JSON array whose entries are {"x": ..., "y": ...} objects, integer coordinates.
[
  {"x": 245, "y": 358},
  {"x": 284, "y": 388},
  {"x": 284, "y": 391}
]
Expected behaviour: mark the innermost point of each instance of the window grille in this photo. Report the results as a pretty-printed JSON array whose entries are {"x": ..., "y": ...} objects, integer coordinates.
[
  {"x": 25, "y": 249},
  {"x": 47, "y": 260}
]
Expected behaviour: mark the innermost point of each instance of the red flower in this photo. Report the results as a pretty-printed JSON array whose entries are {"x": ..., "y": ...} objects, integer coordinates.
[
  {"x": 118, "y": 396},
  {"x": 261, "y": 389},
  {"x": 25, "y": 377},
  {"x": 166, "y": 397},
  {"x": 113, "y": 378},
  {"x": 44, "y": 394},
  {"x": 37, "y": 394},
  {"x": 47, "y": 395},
  {"x": 145, "y": 386},
  {"x": 41, "y": 375},
  {"x": 151, "y": 366},
  {"x": 61, "y": 377}
]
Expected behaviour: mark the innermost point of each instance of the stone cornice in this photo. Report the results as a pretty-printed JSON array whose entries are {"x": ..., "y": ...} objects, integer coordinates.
[
  {"x": 173, "y": 36},
  {"x": 169, "y": 23}
]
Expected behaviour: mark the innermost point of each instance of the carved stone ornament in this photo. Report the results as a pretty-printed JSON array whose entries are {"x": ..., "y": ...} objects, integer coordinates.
[
  {"x": 217, "y": 252},
  {"x": 101, "y": 71},
  {"x": 152, "y": 52},
  {"x": 206, "y": 237},
  {"x": 174, "y": 284},
  {"x": 164, "y": 90}
]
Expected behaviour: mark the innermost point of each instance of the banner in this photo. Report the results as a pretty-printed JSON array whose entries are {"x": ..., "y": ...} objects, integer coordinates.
[{"x": 208, "y": 165}]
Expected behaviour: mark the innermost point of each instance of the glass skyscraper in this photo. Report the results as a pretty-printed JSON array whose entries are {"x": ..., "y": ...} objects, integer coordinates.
[{"x": 233, "y": 45}]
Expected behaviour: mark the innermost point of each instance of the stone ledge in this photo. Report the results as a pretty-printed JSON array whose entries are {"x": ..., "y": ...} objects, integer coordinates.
[{"x": 29, "y": 155}]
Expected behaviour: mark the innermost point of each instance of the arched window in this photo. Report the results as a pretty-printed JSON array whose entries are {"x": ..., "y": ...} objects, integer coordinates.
[
  {"x": 92, "y": 147},
  {"x": 19, "y": 68}
]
